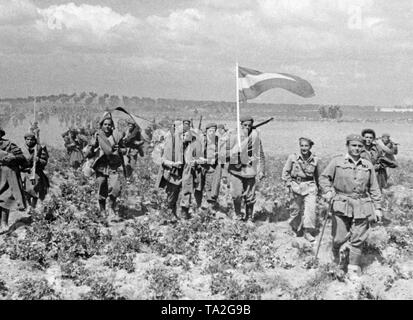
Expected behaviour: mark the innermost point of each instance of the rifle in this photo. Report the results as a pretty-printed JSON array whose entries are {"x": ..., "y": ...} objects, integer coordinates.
[
  {"x": 262, "y": 123},
  {"x": 36, "y": 147},
  {"x": 200, "y": 122}
]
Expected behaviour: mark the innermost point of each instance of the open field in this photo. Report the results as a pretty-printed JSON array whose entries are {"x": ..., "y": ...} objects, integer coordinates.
[{"x": 66, "y": 250}]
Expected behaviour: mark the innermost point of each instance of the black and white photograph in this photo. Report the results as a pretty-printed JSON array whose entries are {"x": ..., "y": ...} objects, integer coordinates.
[{"x": 225, "y": 151}]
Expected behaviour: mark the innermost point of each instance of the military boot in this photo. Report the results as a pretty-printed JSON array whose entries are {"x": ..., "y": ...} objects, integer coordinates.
[
  {"x": 102, "y": 207},
  {"x": 185, "y": 212},
  {"x": 353, "y": 273},
  {"x": 4, "y": 222},
  {"x": 111, "y": 210},
  {"x": 249, "y": 213},
  {"x": 237, "y": 208},
  {"x": 336, "y": 255}
]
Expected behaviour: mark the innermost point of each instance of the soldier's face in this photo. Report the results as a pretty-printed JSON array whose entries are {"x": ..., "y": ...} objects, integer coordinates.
[
  {"x": 385, "y": 139},
  {"x": 130, "y": 127},
  {"x": 187, "y": 136},
  {"x": 107, "y": 126},
  {"x": 355, "y": 148},
  {"x": 305, "y": 147},
  {"x": 368, "y": 138},
  {"x": 186, "y": 125},
  {"x": 30, "y": 142},
  {"x": 246, "y": 126},
  {"x": 211, "y": 132}
]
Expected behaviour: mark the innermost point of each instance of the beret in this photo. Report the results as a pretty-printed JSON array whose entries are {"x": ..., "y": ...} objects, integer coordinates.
[
  {"x": 385, "y": 135},
  {"x": 354, "y": 137},
  {"x": 220, "y": 126},
  {"x": 246, "y": 118},
  {"x": 186, "y": 120},
  {"x": 130, "y": 121},
  {"x": 210, "y": 125}
]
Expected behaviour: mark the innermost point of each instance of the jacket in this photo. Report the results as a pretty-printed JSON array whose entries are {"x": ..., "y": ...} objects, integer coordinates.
[
  {"x": 354, "y": 184},
  {"x": 247, "y": 161}
]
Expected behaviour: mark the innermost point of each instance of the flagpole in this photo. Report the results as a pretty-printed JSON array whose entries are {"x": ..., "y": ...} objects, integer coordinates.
[{"x": 238, "y": 116}]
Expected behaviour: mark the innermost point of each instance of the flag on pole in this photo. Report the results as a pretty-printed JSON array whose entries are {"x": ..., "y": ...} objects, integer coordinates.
[
  {"x": 252, "y": 83},
  {"x": 144, "y": 124}
]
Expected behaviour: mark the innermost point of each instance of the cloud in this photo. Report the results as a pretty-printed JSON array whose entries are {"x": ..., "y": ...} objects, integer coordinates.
[
  {"x": 17, "y": 12},
  {"x": 96, "y": 20}
]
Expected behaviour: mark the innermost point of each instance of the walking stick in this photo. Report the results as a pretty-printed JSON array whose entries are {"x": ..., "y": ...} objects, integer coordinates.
[{"x": 322, "y": 231}]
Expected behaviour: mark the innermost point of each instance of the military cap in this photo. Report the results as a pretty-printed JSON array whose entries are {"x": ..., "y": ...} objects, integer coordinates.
[
  {"x": 29, "y": 135},
  {"x": 385, "y": 135},
  {"x": 246, "y": 118},
  {"x": 210, "y": 125},
  {"x": 354, "y": 137},
  {"x": 220, "y": 126},
  {"x": 186, "y": 120},
  {"x": 310, "y": 142}
]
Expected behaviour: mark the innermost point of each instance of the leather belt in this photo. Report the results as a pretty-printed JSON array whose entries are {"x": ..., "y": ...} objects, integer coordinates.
[{"x": 300, "y": 179}]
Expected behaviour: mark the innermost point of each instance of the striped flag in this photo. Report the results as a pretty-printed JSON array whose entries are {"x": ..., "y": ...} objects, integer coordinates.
[{"x": 252, "y": 83}]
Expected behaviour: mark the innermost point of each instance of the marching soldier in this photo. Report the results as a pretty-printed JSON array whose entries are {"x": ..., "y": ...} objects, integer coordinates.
[
  {"x": 370, "y": 152},
  {"x": 373, "y": 153},
  {"x": 35, "y": 185},
  {"x": 133, "y": 142},
  {"x": 11, "y": 189},
  {"x": 108, "y": 149},
  {"x": 74, "y": 143},
  {"x": 350, "y": 182},
  {"x": 300, "y": 174},
  {"x": 246, "y": 164},
  {"x": 212, "y": 170},
  {"x": 179, "y": 169},
  {"x": 388, "y": 160}
]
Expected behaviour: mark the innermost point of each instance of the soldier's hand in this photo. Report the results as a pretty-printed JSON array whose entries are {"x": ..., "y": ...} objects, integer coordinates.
[
  {"x": 379, "y": 215},
  {"x": 225, "y": 180}
]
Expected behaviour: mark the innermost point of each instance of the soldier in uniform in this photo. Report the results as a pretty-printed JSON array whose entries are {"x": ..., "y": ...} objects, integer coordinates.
[
  {"x": 133, "y": 142},
  {"x": 349, "y": 181},
  {"x": 34, "y": 188},
  {"x": 387, "y": 160},
  {"x": 373, "y": 153},
  {"x": 108, "y": 149},
  {"x": 300, "y": 174},
  {"x": 221, "y": 130},
  {"x": 212, "y": 170},
  {"x": 246, "y": 164},
  {"x": 179, "y": 168},
  {"x": 74, "y": 143},
  {"x": 370, "y": 152},
  {"x": 11, "y": 188}
]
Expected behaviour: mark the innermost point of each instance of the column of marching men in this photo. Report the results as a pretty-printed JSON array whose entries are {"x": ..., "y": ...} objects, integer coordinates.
[{"x": 194, "y": 163}]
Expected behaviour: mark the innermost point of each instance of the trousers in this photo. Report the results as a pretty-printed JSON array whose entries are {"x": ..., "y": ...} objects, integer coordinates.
[{"x": 348, "y": 229}]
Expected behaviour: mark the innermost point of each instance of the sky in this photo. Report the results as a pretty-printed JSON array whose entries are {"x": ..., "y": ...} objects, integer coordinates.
[{"x": 352, "y": 51}]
